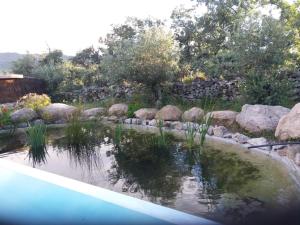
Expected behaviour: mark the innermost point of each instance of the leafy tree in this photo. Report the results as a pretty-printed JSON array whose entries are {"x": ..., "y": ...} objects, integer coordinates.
[
  {"x": 53, "y": 57},
  {"x": 24, "y": 65},
  {"x": 150, "y": 59},
  {"x": 87, "y": 57}
]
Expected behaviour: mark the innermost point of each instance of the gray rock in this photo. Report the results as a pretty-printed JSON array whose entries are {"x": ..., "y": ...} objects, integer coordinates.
[
  {"x": 297, "y": 159},
  {"x": 136, "y": 121},
  {"x": 240, "y": 138},
  {"x": 38, "y": 122},
  {"x": 22, "y": 125},
  {"x": 177, "y": 125},
  {"x": 118, "y": 110},
  {"x": 152, "y": 123},
  {"x": 259, "y": 118},
  {"x": 23, "y": 115},
  {"x": 259, "y": 141},
  {"x": 219, "y": 131},
  {"x": 127, "y": 121}
]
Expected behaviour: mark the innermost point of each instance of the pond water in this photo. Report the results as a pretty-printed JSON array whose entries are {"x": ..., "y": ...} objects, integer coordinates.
[{"x": 220, "y": 185}]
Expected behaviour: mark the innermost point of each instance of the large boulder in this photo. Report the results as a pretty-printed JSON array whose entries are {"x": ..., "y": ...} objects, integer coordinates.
[
  {"x": 289, "y": 125},
  {"x": 169, "y": 113},
  {"x": 118, "y": 110},
  {"x": 223, "y": 118},
  {"x": 145, "y": 113},
  {"x": 260, "y": 118},
  {"x": 57, "y": 112},
  {"x": 23, "y": 115},
  {"x": 193, "y": 115},
  {"x": 93, "y": 113}
]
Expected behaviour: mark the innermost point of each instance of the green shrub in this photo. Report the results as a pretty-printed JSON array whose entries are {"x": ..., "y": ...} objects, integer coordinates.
[
  {"x": 5, "y": 117},
  {"x": 34, "y": 101},
  {"x": 268, "y": 89},
  {"x": 132, "y": 107},
  {"x": 190, "y": 135}
]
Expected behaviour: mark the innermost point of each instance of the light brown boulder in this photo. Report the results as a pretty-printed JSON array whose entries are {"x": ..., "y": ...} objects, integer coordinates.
[
  {"x": 145, "y": 113},
  {"x": 223, "y": 118},
  {"x": 23, "y": 115},
  {"x": 193, "y": 115},
  {"x": 169, "y": 113},
  {"x": 118, "y": 110},
  {"x": 57, "y": 112},
  {"x": 94, "y": 112},
  {"x": 289, "y": 125},
  {"x": 259, "y": 118}
]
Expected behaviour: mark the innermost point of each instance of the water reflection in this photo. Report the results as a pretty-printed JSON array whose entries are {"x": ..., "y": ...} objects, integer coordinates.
[{"x": 215, "y": 184}]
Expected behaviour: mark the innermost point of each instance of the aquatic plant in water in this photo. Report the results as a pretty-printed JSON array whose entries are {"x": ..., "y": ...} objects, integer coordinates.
[
  {"x": 159, "y": 141},
  {"x": 190, "y": 135},
  {"x": 78, "y": 133},
  {"x": 36, "y": 139}
]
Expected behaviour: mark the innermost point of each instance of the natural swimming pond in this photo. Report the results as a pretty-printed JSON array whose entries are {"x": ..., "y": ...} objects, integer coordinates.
[{"x": 221, "y": 185}]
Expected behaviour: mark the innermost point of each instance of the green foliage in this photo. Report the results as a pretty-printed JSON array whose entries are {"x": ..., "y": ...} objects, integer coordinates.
[
  {"x": 267, "y": 89},
  {"x": 150, "y": 59},
  {"x": 54, "y": 57},
  {"x": 160, "y": 141},
  {"x": 34, "y": 101},
  {"x": 190, "y": 135},
  {"x": 203, "y": 129},
  {"x": 5, "y": 118},
  {"x": 132, "y": 107},
  {"x": 77, "y": 132},
  {"x": 87, "y": 57},
  {"x": 36, "y": 139},
  {"x": 24, "y": 65}
]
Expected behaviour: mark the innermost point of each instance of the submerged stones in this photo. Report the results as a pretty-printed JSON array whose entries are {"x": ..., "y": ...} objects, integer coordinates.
[
  {"x": 23, "y": 115},
  {"x": 260, "y": 118},
  {"x": 193, "y": 115},
  {"x": 118, "y": 110},
  {"x": 169, "y": 113},
  {"x": 289, "y": 125}
]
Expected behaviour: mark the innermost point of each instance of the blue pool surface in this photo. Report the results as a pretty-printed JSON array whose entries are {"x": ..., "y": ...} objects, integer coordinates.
[{"x": 30, "y": 196}]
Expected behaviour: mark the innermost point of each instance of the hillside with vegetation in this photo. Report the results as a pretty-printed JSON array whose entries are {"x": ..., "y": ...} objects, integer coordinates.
[{"x": 255, "y": 42}]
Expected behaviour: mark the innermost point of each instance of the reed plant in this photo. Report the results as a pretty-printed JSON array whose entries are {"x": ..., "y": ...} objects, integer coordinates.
[
  {"x": 36, "y": 139},
  {"x": 190, "y": 135},
  {"x": 77, "y": 132}
]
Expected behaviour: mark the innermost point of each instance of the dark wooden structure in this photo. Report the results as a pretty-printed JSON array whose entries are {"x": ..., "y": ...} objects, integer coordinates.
[{"x": 14, "y": 86}]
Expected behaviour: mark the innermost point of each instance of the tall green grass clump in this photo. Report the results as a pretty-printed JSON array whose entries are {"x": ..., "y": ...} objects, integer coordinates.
[
  {"x": 78, "y": 133},
  {"x": 190, "y": 135},
  {"x": 160, "y": 141},
  {"x": 36, "y": 139}
]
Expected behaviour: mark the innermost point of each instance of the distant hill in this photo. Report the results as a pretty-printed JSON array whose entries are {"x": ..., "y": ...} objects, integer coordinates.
[{"x": 7, "y": 58}]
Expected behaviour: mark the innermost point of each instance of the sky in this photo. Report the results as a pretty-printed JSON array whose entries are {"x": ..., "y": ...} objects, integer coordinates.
[{"x": 70, "y": 25}]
